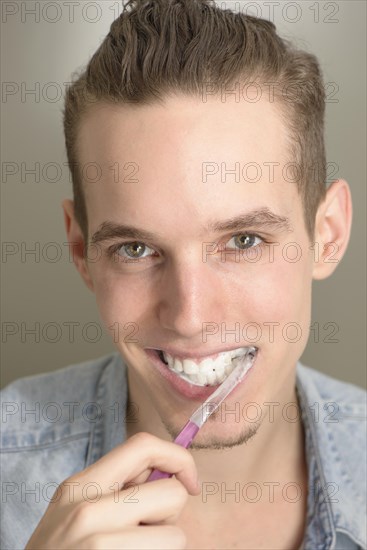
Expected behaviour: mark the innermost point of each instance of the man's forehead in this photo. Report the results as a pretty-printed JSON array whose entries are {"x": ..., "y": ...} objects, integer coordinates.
[
  {"x": 183, "y": 151},
  {"x": 186, "y": 160},
  {"x": 108, "y": 131}
]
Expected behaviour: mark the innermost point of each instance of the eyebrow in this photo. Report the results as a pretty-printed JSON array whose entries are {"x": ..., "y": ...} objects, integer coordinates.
[{"x": 261, "y": 218}]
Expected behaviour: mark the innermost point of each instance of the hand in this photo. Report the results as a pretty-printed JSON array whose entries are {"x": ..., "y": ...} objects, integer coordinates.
[{"x": 110, "y": 514}]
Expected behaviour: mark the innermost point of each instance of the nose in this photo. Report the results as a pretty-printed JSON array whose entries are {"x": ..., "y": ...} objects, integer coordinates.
[{"x": 190, "y": 294}]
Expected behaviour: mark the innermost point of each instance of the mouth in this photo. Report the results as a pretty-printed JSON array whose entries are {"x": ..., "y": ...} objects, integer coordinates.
[{"x": 206, "y": 371}]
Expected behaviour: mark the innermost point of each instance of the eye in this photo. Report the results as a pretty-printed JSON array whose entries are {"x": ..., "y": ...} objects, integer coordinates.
[
  {"x": 244, "y": 241},
  {"x": 131, "y": 251}
]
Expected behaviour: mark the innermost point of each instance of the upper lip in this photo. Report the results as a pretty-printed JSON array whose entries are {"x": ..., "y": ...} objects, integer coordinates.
[{"x": 179, "y": 354}]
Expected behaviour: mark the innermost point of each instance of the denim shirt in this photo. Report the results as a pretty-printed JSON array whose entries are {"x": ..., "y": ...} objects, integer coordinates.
[{"x": 54, "y": 425}]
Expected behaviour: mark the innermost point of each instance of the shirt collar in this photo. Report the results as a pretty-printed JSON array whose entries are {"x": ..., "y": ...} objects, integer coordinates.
[{"x": 111, "y": 395}]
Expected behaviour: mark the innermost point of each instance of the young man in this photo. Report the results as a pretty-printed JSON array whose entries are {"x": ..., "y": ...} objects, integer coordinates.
[{"x": 202, "y": 235}]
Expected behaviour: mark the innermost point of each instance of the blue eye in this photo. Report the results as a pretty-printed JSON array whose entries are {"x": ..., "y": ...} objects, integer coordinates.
[{"x": 246, "y": 240}]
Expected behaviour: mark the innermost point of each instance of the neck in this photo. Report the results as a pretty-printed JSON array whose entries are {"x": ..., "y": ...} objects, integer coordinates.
[{"x": 275, "y": 452}]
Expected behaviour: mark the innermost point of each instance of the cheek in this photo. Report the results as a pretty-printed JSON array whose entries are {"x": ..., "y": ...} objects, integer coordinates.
[
  {"x": 278, "y": 294},
  {"x": 121, "y": 300}
]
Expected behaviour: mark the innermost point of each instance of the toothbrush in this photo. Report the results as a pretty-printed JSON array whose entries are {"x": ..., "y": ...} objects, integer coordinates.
[{"x": 206, "y": 409}]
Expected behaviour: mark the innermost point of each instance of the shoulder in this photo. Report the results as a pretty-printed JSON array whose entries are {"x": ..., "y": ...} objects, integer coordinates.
[
  {"x": 38, "y": 407},
  {"x": 336, "y": 409},
  {"x": 35, "y": 384},
  {"x": 335, "y": 414}
]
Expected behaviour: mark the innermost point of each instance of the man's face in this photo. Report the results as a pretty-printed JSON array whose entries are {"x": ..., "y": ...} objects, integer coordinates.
[{"x": 166, "y": 170}]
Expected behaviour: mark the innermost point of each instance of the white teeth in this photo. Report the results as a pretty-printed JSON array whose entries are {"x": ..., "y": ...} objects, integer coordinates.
[
  {"x": 225, "y": 357},
  {"x": 219, "y": 371},
  {"x": 206, "y": 366},
  {"x": 211, "y": 378},
  {"x": 178, "y": 366},
  {"x": 190, "y": 367},
  {"x": 208, "y": 371},
  {"x": 201, "y": 379}
]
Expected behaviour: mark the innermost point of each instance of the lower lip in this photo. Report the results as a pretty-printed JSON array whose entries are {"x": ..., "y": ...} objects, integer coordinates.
[{"x": 184, "y": 388}]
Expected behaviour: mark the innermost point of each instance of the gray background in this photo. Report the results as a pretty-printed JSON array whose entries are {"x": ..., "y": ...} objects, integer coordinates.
[{"x": 40, "y": 51}]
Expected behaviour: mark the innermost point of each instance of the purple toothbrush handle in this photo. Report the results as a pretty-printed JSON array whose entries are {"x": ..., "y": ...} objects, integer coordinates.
[{"x": 183, "y": 439}]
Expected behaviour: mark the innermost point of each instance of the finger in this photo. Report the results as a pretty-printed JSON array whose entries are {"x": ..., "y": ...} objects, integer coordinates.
[
  {"x": 137, "y": 456},
  {"x": 158, "y": 537},
  {"x": 159, "y": 501}
]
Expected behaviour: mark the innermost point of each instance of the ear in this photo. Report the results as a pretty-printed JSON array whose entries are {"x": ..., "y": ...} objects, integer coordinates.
[
  {"x": 76, "y": 242},
  {"x": 332, "y": 229}
]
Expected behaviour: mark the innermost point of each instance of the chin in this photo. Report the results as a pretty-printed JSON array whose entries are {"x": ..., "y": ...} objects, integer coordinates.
[{"x": 217, "y": 432}]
